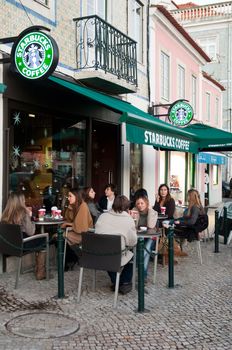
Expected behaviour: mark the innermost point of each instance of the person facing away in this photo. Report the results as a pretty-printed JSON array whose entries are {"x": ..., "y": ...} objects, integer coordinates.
[
  {"x": 77, "y": 216},
  {"x": 106, "y": 201},
  {"x": 88, "y": 196},
  {"x": 164, "y": 199},
  {"x": 117, "y": 221},
  {"x": 17, "y": 213},
  {"x": 191, "y": 214},
  {"x": 146, "y": 217}
]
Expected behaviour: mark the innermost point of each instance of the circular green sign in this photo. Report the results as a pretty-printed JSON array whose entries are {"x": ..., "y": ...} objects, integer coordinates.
[
  {"x": 180, "y": 113},
  {"x": 34, "y": 55}
]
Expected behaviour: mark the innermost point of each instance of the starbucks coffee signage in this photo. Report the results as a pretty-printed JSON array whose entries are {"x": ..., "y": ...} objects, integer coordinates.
[
  {"x": 180, "y": 113},
  {"x": 34, "y": 54}
]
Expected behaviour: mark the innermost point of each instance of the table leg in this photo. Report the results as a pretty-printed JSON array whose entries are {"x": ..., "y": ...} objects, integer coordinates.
[
  {"x": 155, "y": 259},
  {"x": 134, "y": 267}
]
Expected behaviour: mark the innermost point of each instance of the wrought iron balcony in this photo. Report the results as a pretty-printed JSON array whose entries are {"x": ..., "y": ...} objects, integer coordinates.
[{"x": 100, "y": 46}]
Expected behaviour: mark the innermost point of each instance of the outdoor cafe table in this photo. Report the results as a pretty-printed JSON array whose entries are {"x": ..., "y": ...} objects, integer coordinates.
[
  {"x": 48, "y": 222},
  {"x": 149, "y": 233}
]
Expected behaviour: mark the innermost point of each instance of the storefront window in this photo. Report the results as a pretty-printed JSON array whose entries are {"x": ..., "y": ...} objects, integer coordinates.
[
  {"x": 136, "y": 168},
  {"x": 177, "y": 176},
  {"x": 47, "y": 157}
]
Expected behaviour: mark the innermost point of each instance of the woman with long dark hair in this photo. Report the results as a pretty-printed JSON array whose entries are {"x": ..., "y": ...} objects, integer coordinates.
[
  {"x": 88, "y": 196},
  {"x": 164, "y": 199}
]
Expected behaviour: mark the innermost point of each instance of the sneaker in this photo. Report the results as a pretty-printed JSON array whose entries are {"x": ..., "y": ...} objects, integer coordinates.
[{"x": 125, "y": 288}]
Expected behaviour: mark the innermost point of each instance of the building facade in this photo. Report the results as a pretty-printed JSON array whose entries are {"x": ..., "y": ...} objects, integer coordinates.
[{"x": 210, "y": 25}]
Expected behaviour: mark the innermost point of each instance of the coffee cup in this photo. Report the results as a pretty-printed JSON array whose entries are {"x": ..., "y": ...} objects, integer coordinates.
[
  {"x": 163, "y": 210},
  {"x": 58, "y": 213},
  {"x": 53, "y": 211},
  {"x": 41, "y": 214}
]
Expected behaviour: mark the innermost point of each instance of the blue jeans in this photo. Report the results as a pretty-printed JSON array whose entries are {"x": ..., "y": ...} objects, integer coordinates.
[
  {"x": 148, "y": 247},
  {"x": 125, "y": 276}
]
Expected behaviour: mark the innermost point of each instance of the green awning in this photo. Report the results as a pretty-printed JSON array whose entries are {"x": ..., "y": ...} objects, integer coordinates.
[
  {"x": 141, "y": 127},
  {"x": 209, "y": 138}
]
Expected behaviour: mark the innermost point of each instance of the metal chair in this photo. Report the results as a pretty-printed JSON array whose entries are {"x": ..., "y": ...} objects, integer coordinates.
[
  {"x": 12, "y": 243},
  {"x": 100, "y": 252},
  {"x": 183, "y": 234}
]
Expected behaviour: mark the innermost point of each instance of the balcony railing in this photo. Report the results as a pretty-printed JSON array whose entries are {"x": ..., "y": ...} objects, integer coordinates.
[
  {"x": 101, "y": 46},
  {"x": 218, "y": 11}
]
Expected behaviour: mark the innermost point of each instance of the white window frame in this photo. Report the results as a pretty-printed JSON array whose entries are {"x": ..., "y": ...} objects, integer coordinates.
[
  {"x": 181, "y": 81},
  {"x": 165, "y": 75},
  {"x": 207, "y": 103},
  {"x": 217, "y": 110},
  {"x": 136, "y": 26},
  {"x": 194, "y": 93},
  {"x": 39, "y": 7},
  {"x": 98, "y": 8},
  {"x": 209, "y": 43}
]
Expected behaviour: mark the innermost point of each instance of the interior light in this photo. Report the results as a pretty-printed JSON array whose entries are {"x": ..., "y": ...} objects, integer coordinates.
[{"x": 31, "y": 115}]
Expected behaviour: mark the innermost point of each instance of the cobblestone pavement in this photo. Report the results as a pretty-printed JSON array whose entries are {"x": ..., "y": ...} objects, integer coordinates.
[{"x": 196, "y": 314}]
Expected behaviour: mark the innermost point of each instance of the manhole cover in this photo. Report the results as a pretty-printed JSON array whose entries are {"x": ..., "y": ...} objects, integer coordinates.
[{"x": 42, "y": 325}]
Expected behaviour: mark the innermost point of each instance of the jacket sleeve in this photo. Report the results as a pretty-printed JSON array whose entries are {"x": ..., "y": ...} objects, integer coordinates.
[
  {"x": 152, "y": 218},
  {"x": 83, "y": 219},
  {"x": 27, "y": 225},
  {"x": 132, "y": 235},
  {"x": 156, "y": 207},
  {"x": 170, "y": 208},
  {"x": 191, "y": 220}
]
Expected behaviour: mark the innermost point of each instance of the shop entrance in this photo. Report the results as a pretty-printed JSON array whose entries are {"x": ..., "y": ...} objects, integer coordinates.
[{"x": 105, "y": 156}]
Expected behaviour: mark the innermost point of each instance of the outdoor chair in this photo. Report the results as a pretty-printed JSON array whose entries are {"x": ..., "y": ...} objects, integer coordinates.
[
  {"x": 12, "y": 244},
  {"x": 100, "y": 252}
]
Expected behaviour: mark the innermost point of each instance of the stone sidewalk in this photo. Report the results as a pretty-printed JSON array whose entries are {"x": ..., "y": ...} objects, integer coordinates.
[{"x": 196, "y": 314}]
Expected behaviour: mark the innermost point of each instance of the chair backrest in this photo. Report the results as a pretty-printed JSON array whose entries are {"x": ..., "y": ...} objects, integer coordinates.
[
  {"x": 11, "y": 240},
  {"x": 202, "y": 223},
  {"x": 101, "y": 252}
]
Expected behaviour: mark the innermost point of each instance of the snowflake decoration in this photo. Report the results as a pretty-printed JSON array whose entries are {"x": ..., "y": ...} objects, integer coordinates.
[
  {"x": 36, "y": 163},
  {"x": 16, "y": 151},
  {"x": 17, "y": 118}
]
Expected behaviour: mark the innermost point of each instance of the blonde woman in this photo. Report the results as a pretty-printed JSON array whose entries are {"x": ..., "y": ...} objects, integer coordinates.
[
  {"x": 17, "y": 213},
  {"x": 187, "y": 223},
  {"x": 146, "y": 217}
]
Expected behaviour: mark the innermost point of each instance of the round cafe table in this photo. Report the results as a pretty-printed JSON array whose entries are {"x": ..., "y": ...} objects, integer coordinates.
[{"x": 48, "y": 222}]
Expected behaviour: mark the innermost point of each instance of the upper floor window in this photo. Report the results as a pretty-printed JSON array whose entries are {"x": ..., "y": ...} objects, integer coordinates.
[
  {"x": 216, "y": 110},
  {"x": 44, "y": 2},
  {"x": 207, "y": 106},
  {"x": 194, "y": 93},
  {"x": 135, "y": 18},
  {"x": 165, "y": 75},
  {"x": 181, "y": 82},
  {"x": 96, "y": 7},
  {"x": 209, "y": 45}
]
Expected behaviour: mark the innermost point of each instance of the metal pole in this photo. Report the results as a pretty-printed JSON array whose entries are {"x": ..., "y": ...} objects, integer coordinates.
[
  {"x": 140, "y": 256},
  {"x": 60, "y": 269},
  {"x": 225, "y": 225},
  {"x": 216, "y": 238},
  {"x": 171, "y": 257}
]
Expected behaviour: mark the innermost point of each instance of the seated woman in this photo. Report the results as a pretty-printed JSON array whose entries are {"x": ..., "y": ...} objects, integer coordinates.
[
  {"x": 106, "y": 201},
  {"x": 164, "y": 199},
  {"x": 118, "y": 221},
  {"x": 17, "y": 213},
  {"x": 146, "y": 217},
  {"x": 78, "y": 217},
  {"x": 186, "y": 226},
  {"x": 88, "y": 196}
]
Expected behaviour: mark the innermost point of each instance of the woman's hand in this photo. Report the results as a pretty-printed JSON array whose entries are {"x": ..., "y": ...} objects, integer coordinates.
[
  {"x": 29, "y": 210},
  {"x": 157, "y": 198},
  {"x": 66, "y": 224},
  {"x": 177, "y": 222}
]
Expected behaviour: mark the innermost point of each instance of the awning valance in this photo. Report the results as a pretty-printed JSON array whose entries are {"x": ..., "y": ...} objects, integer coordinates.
[
  {"x": 209, "y": 138},
  {"x": 141, "y": 127},
  {"x": 211, "y": 158}
]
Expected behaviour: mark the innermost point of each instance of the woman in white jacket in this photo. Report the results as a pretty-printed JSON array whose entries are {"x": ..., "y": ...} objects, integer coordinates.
[{"x": 118, "y": 222}]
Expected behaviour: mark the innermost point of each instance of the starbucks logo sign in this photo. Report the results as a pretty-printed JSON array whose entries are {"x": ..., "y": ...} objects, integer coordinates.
[
  {"x": 35, "y": 54},
  {"x": 180, "y": 113}
]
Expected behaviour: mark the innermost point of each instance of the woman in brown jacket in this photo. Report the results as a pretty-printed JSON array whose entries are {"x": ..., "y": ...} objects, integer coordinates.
[{"x": 77, "y": 216}]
